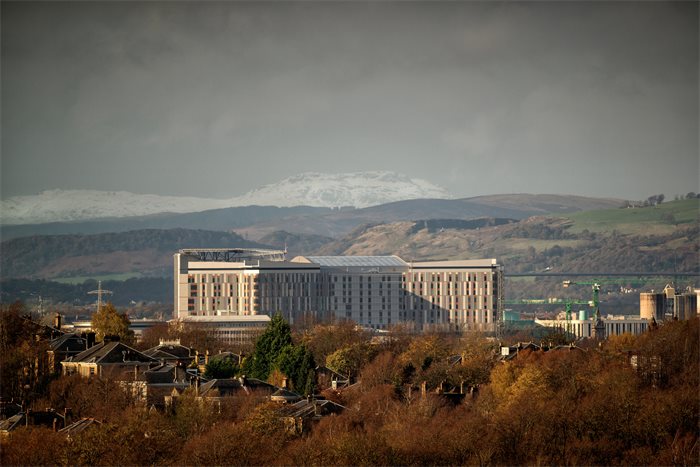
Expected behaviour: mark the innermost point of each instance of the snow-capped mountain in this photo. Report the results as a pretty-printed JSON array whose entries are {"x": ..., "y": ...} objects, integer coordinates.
[
  {"x": 73, "y": 205},
  {"x": 359, "y": 189}
]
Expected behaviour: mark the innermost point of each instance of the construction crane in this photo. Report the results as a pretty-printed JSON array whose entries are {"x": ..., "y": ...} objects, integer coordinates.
[
  {"x": 99, "y": 292},
  {"x": 567, "y": 302},
  {"x": 595, "y": 288}
]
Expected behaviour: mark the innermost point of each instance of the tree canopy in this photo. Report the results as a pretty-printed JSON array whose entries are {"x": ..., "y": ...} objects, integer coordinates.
[
  {"x": 221, "y": 368},
  {"x": 297, "y": 362},
  {"x": 268, "y": 347},
  {"x": 274, "y": 350},
  {"x": 107, "y": 321}
]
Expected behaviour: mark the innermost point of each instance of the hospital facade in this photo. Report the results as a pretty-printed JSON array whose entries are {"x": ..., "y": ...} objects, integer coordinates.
[{"x": 376, "y": 292}]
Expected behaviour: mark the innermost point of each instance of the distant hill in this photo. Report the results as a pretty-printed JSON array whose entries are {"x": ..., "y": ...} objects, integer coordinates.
[
  {"x": 148, "y": 252},
  {"x": 143, "y": 289},
  {"x": 296, "y": 244},
  {"x": 639, "y": 220},
  {"x": 662, "y": 238},
  {"x": 258, "y": 221},
  {"x": 546, "y": 204},
  {"x": 665, "y": 239},
  {"x": 358, "y": 189},
  {"x": 215, "y": 219}
]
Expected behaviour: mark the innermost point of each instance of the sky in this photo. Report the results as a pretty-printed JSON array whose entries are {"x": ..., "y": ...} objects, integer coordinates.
[{"x": 214, "y": 99}]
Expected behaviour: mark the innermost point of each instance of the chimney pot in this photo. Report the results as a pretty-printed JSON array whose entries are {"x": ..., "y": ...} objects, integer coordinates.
[{"x": 90, "y": 339}]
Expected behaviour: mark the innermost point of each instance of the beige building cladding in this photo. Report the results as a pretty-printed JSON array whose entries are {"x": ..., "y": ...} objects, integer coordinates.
[
  {"x": 373, "y": 291},
  {"x": 211, "y": 285}
]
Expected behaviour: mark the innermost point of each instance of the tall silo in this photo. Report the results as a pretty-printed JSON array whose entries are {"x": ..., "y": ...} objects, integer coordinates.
[
  {"x": 685, "y": 306},
  {"x": 652, "y": 305}
]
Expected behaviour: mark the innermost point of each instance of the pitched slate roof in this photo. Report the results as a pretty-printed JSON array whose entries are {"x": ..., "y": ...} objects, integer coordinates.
[
  {"x": 285, "y": 395},
  {"x": 166, "y": 373},
  {"x": 111, "y": 352},
  {"x": 169, "y": 351},
  {"x": 68, "y": 343},
  {"x": 227, "y": 387},
  {"x": 12, "y": 422},
  {"x": 79, "y": 426},
  {"x": 310, "y": 408}
]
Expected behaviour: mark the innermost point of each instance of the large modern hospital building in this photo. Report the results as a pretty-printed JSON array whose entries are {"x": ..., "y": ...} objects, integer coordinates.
[{"x": 373, "y": 291}]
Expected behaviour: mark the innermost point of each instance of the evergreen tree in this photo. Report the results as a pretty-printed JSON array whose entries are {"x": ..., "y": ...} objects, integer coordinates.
[
  {"x": 268, "y": 347},
  {"x": 297, "y": 362},
  {"x": 223, "y": 368}
]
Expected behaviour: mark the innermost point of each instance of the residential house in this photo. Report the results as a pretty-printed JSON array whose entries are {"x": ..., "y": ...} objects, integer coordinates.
[
  {"x": 110, "y": 359},
  {"x": 298, "y": 417},
  {"x": 328, "y": 378},
  {"x": 162, "y": 380},
  {"x": 65, "y": 347}
]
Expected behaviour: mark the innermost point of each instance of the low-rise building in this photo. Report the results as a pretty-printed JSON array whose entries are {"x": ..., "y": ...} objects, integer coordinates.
[
  {"x": 171, "y": 351},
  {"x": 111, "y": 359},
  {"x": 614, "y": 326},
  {"x": 65, "y": 347},
  {"x": 299, "y": 416},
  {"x": 230, "y": 329}
]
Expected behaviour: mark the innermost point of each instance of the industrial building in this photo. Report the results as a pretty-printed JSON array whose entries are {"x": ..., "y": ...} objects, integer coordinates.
[
  {"x": 373, "y": 291},
  {"x": 614, "y": 326},
  {"x": 669, "y": 304}
]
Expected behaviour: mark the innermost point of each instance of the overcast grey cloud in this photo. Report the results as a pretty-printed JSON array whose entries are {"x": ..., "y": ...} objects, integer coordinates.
[{"x": 215, "y": 99}]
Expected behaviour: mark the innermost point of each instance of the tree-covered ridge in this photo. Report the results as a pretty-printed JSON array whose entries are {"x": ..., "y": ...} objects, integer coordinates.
[
  {"x": 147, "y": 289},
  {"x": 36, "y": 256}
]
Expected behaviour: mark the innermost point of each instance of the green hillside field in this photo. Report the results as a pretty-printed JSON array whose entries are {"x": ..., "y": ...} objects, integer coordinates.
[
  {"x": 98, "y": 277},
  {"x": 661, "y": 219}
]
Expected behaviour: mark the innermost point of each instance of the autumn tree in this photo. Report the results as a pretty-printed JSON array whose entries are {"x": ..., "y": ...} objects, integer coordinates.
[
  {"x": 31, "y": 446},
  {"x": 350, "y": 359},
  {"x": 324, "y": 339},
  {"x": 215, "y": 447},
  {"x": 87, "y": 397},
  {"x": 107, "y": 321},
  {"x": 23, "y": 346},
  {"x": 474, "y": 368},
  {"x": 152, "y": 336}
]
